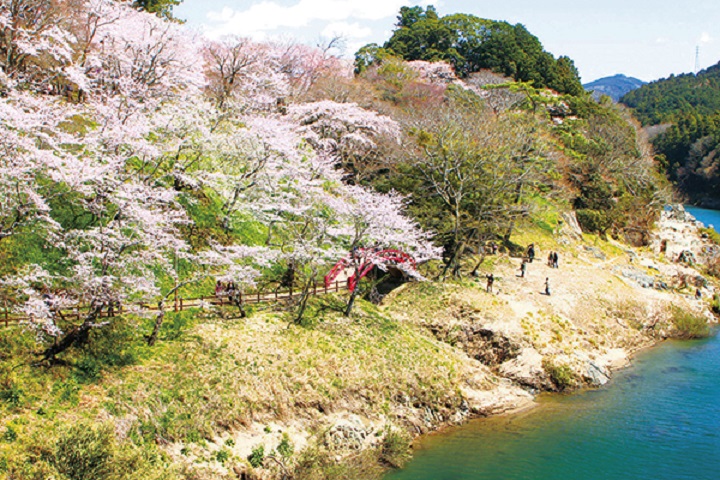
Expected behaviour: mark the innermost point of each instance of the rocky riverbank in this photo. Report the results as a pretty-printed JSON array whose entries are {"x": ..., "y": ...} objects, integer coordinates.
[
  {"x": 263, "y": 398},
  {"x": 607, "y": 301}
]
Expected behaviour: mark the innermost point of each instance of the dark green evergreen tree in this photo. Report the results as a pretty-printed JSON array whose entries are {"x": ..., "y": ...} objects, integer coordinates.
[
  {"x": 471, "y": 44},
  {"x": 162, "y": 8}
]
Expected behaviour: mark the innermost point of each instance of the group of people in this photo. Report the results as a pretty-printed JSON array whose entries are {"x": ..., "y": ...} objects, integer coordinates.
[
  {"x": 529, "y": 257},
  {"x": 228, "y": 290},
  {"x": 553, "y": 260}
]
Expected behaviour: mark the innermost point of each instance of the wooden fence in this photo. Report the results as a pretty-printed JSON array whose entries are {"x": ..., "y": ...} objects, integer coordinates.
[{"x": 178, "y": 304}]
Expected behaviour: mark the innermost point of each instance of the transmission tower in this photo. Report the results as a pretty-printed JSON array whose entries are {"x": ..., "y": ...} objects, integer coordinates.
[{"x": 697, "y": 59}]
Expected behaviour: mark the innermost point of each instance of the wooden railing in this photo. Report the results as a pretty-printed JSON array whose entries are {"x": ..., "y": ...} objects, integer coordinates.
[{"x": 178, "y": 304}]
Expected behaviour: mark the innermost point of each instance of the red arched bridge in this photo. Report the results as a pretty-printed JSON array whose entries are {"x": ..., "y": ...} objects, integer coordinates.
[{"x": 363, "y": 260}]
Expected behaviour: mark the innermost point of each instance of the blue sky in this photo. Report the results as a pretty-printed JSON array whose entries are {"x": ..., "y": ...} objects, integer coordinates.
[{"x": 646, "y": 39}]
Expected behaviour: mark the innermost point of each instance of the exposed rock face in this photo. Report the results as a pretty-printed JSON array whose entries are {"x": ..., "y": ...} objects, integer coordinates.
[
  {"x": 678, "y": 234},
  {"x": 596, "y": 252},
  {"x": 504, "y": 398},
  {"x": 527, "y": 370},
  {"x": 642, "y": 279},
  {"x": 349, "y": 433},
  {"x": 570, "y": 226},
  {"x": 597, "y": 372},
  {"x": 489, "y": 347}
]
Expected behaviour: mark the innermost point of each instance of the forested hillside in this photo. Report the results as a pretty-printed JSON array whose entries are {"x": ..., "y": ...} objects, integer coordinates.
[
  {"x": 689, "y": 147},
  {"x": 471, "y": 44},
  {"x": 141, "y": 162}
]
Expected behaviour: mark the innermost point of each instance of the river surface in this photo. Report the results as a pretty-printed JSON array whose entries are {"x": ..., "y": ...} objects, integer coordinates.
[
  {"x": 657, "y": 420},
  {"x": 708, "y": 217}
]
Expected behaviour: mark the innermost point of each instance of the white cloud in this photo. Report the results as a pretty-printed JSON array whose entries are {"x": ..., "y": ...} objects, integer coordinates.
[
  {"x": 267, "y": 15},
  {"x": 346, "y": 30},
  {"x": 705, "y": 38},
  {"x": 353, "y": 47},
  {"x": 661, "y": 40}
]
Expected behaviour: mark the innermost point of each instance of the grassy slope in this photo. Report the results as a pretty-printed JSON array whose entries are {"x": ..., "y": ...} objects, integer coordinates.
[
  {"x": 210, "y": 377},
  {"x": 214, "y": 389}
]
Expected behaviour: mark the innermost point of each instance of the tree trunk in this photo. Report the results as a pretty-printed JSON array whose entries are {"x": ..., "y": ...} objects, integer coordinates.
[
  {"x": 454, "y": 261},
  {"x": 511, "y": 227},
  {"x": 351, "y": 302},
  {"x": 236, "y": 299},
  {"x": 353, "y": 294},
  {"x": 477, "y": 265},
  {"x": 76, "y": 335},
  {"x": 302, "y": 305},
  {"x": 158, "y": 323}
]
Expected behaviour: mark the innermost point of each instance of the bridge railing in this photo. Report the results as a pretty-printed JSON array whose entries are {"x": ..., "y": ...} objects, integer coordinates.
[{"x": 177, "y": 304}]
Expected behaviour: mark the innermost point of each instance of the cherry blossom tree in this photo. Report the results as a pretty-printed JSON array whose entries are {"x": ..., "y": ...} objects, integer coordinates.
[
  {"x": 304, "y": 65},
  {"x": 22, "y": 162},
  {"x": 244, "y": 75},
  {"x": 441, "y": 73},
  {"x": 34, "y": 46},
  {"x": 376, "y": 220},
  {"x": 107, "y": 176},
  {"x": 358, "y": 138}
]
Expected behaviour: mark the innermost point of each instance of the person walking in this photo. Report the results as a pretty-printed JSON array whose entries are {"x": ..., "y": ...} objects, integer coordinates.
[
  {"x": 523, "y": 268},
  {"x": 490, "y": 281},
  {"x": 230, "y": 291},
  {"x": 550, "y": 259},
  {"x": 555, "y": 260},
  {"x": 547, "y": 286},
  {"x": 531, "y": 252}
]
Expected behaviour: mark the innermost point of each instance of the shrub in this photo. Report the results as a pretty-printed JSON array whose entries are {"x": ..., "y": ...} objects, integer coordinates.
[
  {"x": 285, "y": 447},
  {"x": 594, "y": 221},
  {"x": 561, "y": 375},
  {"x": 395, "y": 450},
  {"x": 257, "y": 455},
  {"x": 318, "y": 464},
  {"x": 689, "y": 325},
  {"x": 10, "y": 393},
  {"x": 10, "y": 434},
  {"x": 85, "y": 452},
  {"x": 222, "y": 455},
  {"x": 712, "y": 235},
  {"x": 715, "y": 305}
]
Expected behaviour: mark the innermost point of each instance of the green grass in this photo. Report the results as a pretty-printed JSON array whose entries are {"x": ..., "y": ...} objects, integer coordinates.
[
  {"x": 688, "y": 325},
  {"x": 560, "y": 374},
  {"x": 205, "y": 378}
]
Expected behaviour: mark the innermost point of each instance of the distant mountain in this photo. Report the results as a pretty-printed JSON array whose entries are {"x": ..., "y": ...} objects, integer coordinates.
[{"x": 614, "y": 87}]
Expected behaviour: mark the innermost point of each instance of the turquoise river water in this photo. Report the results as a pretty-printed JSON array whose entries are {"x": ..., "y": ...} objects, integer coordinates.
[{"x": 657, "y": 420}]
